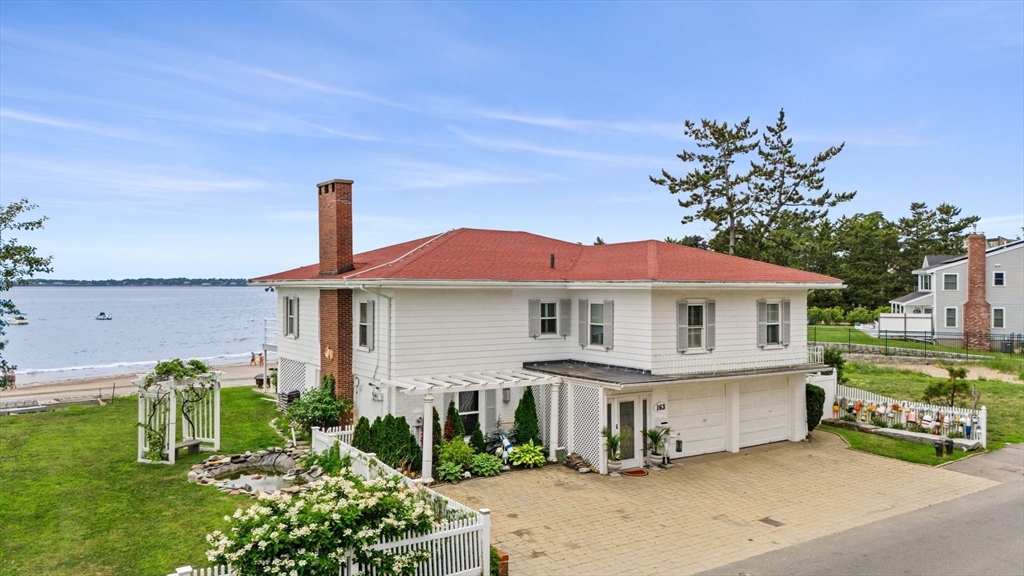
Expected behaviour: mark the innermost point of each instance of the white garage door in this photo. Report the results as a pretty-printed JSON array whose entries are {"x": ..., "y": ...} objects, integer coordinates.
[
  {"x": 764, "y": 412},
  {"x": 697, "y": 414}
]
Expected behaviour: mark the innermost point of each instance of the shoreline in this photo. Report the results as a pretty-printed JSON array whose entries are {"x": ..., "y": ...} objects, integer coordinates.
[{"x": 33, "y": 378}]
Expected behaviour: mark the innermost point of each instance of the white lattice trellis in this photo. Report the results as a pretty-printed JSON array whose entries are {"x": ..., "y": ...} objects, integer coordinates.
[
  {"x": 586, "y": 407},
  {"x": 291, "y": 375},
  {"x": 540, "y": 395},
  {"x": 178, "y": 413},
  {"x": 563, "y": 416}
]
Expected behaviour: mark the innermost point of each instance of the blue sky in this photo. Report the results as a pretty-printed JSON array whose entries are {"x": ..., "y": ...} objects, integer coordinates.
[{"x": 186, "y": 139}]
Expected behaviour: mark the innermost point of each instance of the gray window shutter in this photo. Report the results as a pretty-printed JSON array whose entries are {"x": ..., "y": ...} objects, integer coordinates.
[
  {"x": 296, "y": 316},
  {"x": 762, "y": 323},
  {"x": 709, "y": 325},
  {"x": 682, "y": 324},
  {"x": 565, "y": 317},
  {"x": 370, "y": 324},
  {"x": 584, "y": 322},
  {"x": 609, "y": 324},
  {"x": 490, "y": 411},
  {"x": 785, "y": 322},
  {"x": 534, "y": 318}
]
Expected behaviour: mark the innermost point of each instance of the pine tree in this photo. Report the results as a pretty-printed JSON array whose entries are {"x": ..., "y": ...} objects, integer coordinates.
[
  {"x": 458, "y": 430},
  {"x": 526, "y": 426},
  {"x": 360, "y": 436},
  {"x": 438, "y": 438},
  {"x": 476, "y": 440}
]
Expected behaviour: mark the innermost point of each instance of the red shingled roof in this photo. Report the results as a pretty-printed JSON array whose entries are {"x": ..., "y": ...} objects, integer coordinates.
[{"x": 470, "y": 254}]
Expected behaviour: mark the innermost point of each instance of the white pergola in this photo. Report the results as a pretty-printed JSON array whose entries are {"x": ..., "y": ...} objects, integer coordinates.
[{"x": 426, "y": 386}]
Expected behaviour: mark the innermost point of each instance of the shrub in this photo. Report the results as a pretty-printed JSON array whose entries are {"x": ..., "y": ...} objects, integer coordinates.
[
  {"x": 861, "y": 315},
  {"x": 834, "y": 357},
  {"x": 527, "y": 429},
  {"x": 527, "y": 455},
  {"x": 956, "y": 434},
  {"x": 493, "y": 439},
  {"x": 815, "y": 405},
  {"x": 848, "y": 418},
  {"x": 338, "y": 514},
  {"x": 391, "y": 440},
  {"x": 915, "y": 427},
  {"x": 329, "y": 460},
  {"x": 361, "y": 437},
  {"x": 456, "y": 452},
  {"x": 880, "y": 422},
  {"x": 897, "y": 426},
  {"x": 476, "y": 440},
  {"x": 453, "y": 427},
  {"x": 449, "y": 472},
  {"x": 495, "y": 562},
  {"x": 318, "y": 407},
  {"x": 485, "y": 465},
  {"x": 947, "y": 391}
]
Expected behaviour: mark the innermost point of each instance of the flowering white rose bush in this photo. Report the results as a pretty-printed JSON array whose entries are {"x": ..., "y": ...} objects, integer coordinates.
[{"x": 309, "y": 533}]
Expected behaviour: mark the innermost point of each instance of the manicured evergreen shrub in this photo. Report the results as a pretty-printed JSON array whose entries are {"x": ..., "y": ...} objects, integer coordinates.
[
  {"x": 438, "y": 439},
  {"x": 391, "y": 440},
  {"x": 361, "y": 437},
  {"x": 453, "y": 423},
  {"x": 815, "y": 405},
  {"x": 527, "y": 428},
  {"x": 476, "y": 440}
]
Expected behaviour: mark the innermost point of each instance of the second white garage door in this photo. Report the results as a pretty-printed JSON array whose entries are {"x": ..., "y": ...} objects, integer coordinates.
[
  {"x": 764, "y": 412},
  {"x": 697, "y": 415}
]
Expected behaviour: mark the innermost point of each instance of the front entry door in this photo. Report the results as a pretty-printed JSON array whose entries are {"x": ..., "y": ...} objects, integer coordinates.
[{"x": 627, "y": 421}]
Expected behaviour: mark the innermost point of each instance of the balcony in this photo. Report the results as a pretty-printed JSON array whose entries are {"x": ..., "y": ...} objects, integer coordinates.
[{"x": 717, "y": 362}]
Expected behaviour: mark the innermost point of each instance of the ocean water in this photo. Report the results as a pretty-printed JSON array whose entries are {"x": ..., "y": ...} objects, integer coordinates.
[{"x": 63, "y": 340}]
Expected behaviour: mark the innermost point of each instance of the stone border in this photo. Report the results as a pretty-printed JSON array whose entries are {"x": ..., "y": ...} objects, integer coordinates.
[
  {"x": 964, "y": 444},
  {"x": 205, "y": 472}
]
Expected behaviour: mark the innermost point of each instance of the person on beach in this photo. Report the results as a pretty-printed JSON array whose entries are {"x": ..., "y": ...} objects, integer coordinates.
[
  {"x": 252, "y": 359},
  {"x": 261, "y": 358}
]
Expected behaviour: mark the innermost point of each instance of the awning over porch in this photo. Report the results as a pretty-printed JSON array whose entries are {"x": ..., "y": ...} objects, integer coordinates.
[{"x": 468, "y": 381}]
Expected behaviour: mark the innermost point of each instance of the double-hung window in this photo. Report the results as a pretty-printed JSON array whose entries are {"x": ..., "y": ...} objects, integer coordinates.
[
  {"x": 597, "y": 324},
  {"x": 469, "y": 410},
  {"x": 950, "y": 317},
  {"x": 998, "y": 318},
  {"x": 695, "y": 326},
  {"x": 999, "y": 278},
  {"x": 548, "y": 318},
  {"x": 773, "y": 322},
  {"x": 366, "y": 324},
  {"x": 926, "y": 282},
  {"x": 291, "y": 316},
  {"x": 773, "y": 325},
  {"x": 950, "y": 282}
]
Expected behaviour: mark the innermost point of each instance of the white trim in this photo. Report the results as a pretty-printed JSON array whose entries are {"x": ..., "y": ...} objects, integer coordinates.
[
  {"x": 957, "y": 274},
  {"x": 920, "y": 282},
  {"x": 359, "y": 325},
  {"x": 994, "y": 272},
  {"x": 945, "y": 317},
  {"x": 468, "y": 381},
  {"x": 591, "y": 324},
  {"x": 772, "y": 345},
  {"x": 542, "y": 333},
  {"x": 702, "y": 303},
  {"x": 1003, "y": 310}
]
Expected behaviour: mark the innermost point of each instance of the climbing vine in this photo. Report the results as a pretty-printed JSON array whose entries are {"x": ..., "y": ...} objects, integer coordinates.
[{"x": 183, "y": 377}]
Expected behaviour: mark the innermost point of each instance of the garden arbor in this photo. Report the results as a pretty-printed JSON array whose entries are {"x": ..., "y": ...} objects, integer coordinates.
[{"x": 178, "y": 411}]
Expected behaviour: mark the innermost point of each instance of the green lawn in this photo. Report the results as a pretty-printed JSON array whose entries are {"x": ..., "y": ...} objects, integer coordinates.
[
  {"x": 908, "y": 451},
  {"x": 851, "y": 335},
  {"x": 1004, "y": 400},
  {"x": 74, "y": 501}
]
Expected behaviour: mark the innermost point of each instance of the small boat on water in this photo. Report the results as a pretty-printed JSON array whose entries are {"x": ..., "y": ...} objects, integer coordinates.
[
  {"x": 18, "y": 321},
  {"x": 104, "y": 316}
]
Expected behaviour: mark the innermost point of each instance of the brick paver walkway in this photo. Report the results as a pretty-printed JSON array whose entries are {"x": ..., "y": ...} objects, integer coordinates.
[{"x": 705, "y": 513}]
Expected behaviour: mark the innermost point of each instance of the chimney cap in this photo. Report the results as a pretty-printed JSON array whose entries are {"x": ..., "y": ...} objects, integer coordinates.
[{"x": 336, "y": 180}]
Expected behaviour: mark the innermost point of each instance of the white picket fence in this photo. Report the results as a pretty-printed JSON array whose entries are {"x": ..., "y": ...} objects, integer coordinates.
[
  {"x": 459, "y": 544},
  {"x": 971, "y": 423}
]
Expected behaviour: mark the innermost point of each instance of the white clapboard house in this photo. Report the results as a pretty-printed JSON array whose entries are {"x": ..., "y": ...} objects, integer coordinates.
[{"x": 629, "y": 335}]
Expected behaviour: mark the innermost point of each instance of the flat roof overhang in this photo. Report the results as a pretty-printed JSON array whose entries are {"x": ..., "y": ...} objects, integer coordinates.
[{"x": 621, "y": 378}]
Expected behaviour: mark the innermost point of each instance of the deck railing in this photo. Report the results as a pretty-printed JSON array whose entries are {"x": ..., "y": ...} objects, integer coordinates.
[{"x": 735, "y": 361}]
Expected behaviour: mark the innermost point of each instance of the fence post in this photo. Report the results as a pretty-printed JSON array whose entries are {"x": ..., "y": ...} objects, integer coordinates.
[
  {"x": 485, "y": 543},
  {"x": 983, "y": 424},
  {"x": 216, "y": 415},
  {"x": 849, "y": 340},
  {"x": 172, "y": 427},
  {"x": 886, "y": 342}
]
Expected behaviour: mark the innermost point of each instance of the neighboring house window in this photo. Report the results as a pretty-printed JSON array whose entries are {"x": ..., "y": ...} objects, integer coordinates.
[
  {"x": 773, "y": 327},
  {"x": 695, "y": 326},
  {"x": 366, "y": 318},
  {"x": 999, "y": 278},
  {"x": 926, "y": 282},
  {"x": 469, "y": 410},
  {"x": 949, "y": 282},
  {"x": 548, "y": 318},
  {"x": 291, "y": 316},
  {"x": 950, "y": 317},
  {"x": 597, "y": 324},
  {"x": 998, "y": 318}
]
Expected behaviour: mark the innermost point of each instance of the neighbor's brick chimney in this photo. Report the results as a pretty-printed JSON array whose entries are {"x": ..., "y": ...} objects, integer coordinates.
[
  {"x": 977, "y": 312},
  {"x": 335, "y": 199},
  {"x": 336, "y": 333}
]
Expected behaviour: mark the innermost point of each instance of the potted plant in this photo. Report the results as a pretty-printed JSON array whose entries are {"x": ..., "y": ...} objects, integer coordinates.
[
  {"x": 613, "y": 443},
  {"x": 655, "y": 440}
]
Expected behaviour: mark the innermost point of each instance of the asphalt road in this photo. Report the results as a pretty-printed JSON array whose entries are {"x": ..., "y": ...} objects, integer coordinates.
[{"x": 977, "y": 535}]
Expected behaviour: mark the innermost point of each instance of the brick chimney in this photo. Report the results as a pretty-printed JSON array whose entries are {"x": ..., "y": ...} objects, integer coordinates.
[
  {"x": 336, "y": 330},
  {"x": 335, "y": 200},
  {"x": 977, "y": 312}
]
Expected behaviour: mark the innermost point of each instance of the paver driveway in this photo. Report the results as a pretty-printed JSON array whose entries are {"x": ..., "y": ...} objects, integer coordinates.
[{"x": 702, "y": 514}]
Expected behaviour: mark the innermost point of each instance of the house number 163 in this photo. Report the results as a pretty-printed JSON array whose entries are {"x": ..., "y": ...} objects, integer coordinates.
[{"x": 659, "y": 407}]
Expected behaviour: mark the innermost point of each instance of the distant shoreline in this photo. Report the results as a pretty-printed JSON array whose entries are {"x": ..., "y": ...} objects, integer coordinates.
[{"x": 140, "y": 282}]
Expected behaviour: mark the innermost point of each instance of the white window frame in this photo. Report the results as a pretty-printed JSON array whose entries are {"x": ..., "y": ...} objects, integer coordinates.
[
  {"x": 591, "y": 324},
  {"x": 945, "y": 317},
  {"x": 1003, "y": 318},
  {"x": 364, "y": 326},
  {"x": 768, "y": 324},
  {"x": 955, "y": 275},
  {"x": 702, "y": 328},
  {"x": 291, "y": 316},
  {"x": 458, "y": 405},
  {"x": 926, "y": 283},
  {"x": 553, "y": 318},
  {"x": 1001, "y": 275}
]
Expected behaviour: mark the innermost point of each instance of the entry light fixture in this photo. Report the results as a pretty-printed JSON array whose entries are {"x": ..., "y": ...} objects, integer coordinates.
[{"x": 506, "y": 395}]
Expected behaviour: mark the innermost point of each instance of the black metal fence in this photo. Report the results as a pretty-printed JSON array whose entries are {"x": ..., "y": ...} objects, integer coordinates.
[{"x": 956, "y": 345}]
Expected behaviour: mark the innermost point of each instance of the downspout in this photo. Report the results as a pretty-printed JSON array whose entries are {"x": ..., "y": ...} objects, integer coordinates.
[{"x": 391, "y": 336}]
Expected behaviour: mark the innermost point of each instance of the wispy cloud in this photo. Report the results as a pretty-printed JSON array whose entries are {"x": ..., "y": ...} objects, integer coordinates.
[
  {"x": 584, "y": 155},
  {"x": 68, "y": 125},
  {"x": 405, "y": 174},
  {"x": 667, "y": 130}
]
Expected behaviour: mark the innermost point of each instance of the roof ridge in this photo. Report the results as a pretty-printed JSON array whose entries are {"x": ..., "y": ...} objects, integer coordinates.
[
  {"x": 652, "y": 259},
  {"x": 424, "y": 248}
]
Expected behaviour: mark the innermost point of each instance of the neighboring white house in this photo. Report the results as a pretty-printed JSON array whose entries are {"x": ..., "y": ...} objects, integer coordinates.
[
  {"x": 946, "y": 289},
  {"x": 630, "y": 335}
]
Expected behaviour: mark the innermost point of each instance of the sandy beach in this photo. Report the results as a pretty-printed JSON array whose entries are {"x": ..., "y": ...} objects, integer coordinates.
[{"x": 234, "y": 375}]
